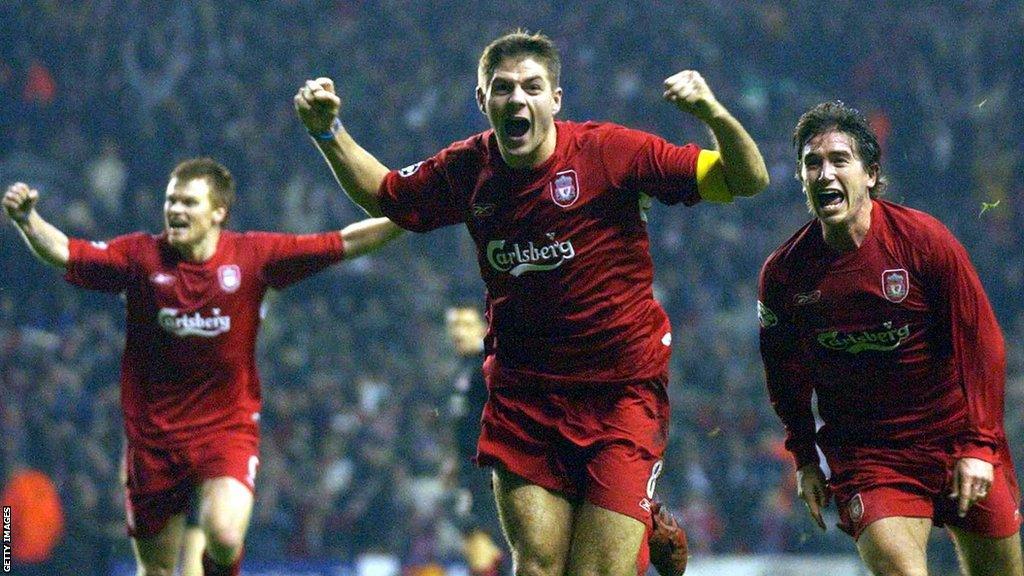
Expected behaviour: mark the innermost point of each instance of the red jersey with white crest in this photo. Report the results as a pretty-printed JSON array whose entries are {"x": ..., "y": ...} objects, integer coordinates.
[
  {"x": 562, "y": 248},
  {"x": 189, "y": 365},
  {"x": 896, "y": 337}
]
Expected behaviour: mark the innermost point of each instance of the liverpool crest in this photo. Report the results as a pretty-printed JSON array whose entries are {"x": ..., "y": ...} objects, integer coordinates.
[
  {"x": 565, "y": 188},
  {"x": 856, "y": 509},
  {"x": 895, "y": 285},
  {"x": 230, "y": 277}
]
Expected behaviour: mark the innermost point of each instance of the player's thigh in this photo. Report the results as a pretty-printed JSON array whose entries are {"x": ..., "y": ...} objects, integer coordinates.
[
  {"x": 225, "y": 509},
  {"x": 537, "y": 523},
  {"x": 604, "y": 543},
  {"x": 194, "y": 540},
  {"x": 985, "y": 556},
  {"x": 157, "y": 555},
  {"x": 896, "y": 546},
  {"x": 192, "y": 551}
]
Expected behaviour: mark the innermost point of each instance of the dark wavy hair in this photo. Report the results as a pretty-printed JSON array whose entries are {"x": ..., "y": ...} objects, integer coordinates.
[{"x": 836, "y": 116}]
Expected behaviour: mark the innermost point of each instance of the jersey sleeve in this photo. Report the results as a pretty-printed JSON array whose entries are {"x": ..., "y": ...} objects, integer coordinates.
[
  {"x": 976, "y": 342},
  {"x": 651, "y": 165},
  {"x": 422, "y": 197},
  {"x": 104, "y": 266},
  {"x": 789, "y": 384},
  {"x": 289, "y": 258}
]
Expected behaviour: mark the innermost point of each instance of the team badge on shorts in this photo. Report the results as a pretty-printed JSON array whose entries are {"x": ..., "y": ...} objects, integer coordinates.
[
  {"x": 230, "y": 277},
  {"x": 895, "y": 285},
  {"x": 565, "y": 188},
  {"x": 856, "y": 509},
  {"x": 161, "y": 278}
]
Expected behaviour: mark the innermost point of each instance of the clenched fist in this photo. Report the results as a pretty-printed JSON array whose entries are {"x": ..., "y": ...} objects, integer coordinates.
[
  {"x": 690, "y": 93},
  {"x": 19, "y": 201},
  {"x": 317, "y": 105}
]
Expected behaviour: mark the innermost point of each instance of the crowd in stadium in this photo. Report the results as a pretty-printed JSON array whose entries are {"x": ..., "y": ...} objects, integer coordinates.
[{"x": 356, "y": 370}]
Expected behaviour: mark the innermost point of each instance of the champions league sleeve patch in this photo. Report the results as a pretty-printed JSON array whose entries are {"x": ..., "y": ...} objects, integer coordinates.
[
  {"x": 410, "y": 170},
  {"x": 765, "y": 317}
]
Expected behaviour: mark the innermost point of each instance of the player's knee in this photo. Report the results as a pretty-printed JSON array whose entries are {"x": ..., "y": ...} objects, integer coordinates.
[
  {"x": 155, "y": 570},
  {"x": 895, "y": 569},
  {"x": 538, "y": 564},
  {"x": 224, "y": 541},
  {"x": 609, "y": 567}
]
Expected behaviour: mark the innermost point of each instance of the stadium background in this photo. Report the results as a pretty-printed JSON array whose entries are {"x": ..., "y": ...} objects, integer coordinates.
[{"x": 99, "y": 98}]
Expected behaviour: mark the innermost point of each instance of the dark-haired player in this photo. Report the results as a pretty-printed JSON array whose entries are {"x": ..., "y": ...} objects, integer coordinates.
[
  {"x": 877, "y": 308},
  {"x": 189, "y": 387}
]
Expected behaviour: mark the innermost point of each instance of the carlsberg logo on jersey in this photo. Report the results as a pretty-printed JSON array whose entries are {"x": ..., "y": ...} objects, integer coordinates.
[
  {"x": 519, "y": 259},
  {"x": 193, "y": 324},
  {"x": 884, "y": 339}
]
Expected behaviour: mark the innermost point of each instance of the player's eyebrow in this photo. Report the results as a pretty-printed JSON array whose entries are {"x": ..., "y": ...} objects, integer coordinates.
[{"x": 534, "y": 78}]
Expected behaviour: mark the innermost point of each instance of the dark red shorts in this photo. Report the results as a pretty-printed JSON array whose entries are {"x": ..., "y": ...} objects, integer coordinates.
[
  {"x": 162, "y": 482},
  {"x": 602, "y": 443},
  {"x": 874, "y": 483}
]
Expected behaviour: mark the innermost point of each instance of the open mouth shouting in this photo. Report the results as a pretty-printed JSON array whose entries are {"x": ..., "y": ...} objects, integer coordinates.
[
  {"x": 516, "y": 127},
  {"x": 830, "y": 200},
  {"x": 177, "y": 226}
]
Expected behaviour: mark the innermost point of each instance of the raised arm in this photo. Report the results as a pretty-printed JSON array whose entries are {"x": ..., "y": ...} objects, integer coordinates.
[
  {"x": 368, "y": 235},
  {"x": 357, "y": 171},
  {"x": 741, "y": 162},
  {"x": 46, "y": 242}
]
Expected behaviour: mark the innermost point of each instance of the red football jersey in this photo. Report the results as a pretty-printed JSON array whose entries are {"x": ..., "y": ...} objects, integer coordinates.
[
  {"x": 896, "y": 337},
  {"x": 189, "y": 365},
  {"x": 562, "y": 248}
]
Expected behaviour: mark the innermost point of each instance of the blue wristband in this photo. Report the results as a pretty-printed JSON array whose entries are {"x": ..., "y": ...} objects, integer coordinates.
[{"x": 329, "y": 134}]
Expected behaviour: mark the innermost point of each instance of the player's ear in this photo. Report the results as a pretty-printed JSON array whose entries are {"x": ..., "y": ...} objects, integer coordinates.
[
  {"x": 219, "y": 215},
  {"x": 480, "y": 96},
  {"x": 557, "y": 97},
  {"x": 873, "y": 172}
]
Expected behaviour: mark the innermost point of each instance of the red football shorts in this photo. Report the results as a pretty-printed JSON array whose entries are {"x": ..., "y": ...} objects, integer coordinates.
[
  {"x": 162, "y": 482},
  {"x": 601, "y": 443},
  {"x": 874, "y": 483}
]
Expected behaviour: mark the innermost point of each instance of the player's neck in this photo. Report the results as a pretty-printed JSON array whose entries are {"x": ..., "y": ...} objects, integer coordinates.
[
  {"x": 849, "y": 235},
  {"x": 537, "y": 157},
  {"x": 203, "y": 250}
]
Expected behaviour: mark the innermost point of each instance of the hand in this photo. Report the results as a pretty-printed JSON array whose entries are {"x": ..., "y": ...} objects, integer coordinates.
[
  {"x": 972, "y": 479},
  {"x": 813, "y": 490},
  {"x": 20, "y": 201},
  {"x": 317, "y": 105},
  {"x": 690, "y": 93}
]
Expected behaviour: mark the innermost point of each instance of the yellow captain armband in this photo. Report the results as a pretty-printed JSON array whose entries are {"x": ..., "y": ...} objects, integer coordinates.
[{"x": 711, "y": 178}]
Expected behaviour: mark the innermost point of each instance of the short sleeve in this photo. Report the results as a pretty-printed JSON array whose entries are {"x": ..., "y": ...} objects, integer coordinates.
[
  {"x": 421, "y": 197},
  {"x": 648, "y": 164},
  {"x": 289, "y": 258},
  {"x": 104, "y": 266}
]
